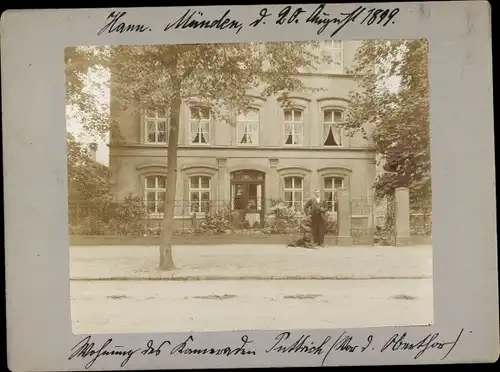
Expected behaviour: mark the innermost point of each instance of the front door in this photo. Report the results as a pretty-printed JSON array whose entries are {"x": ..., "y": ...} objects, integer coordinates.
[{"x": 247, "y": 197}]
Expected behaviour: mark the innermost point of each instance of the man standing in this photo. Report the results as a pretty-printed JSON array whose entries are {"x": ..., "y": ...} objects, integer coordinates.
[{"x": 316, "y": 208}]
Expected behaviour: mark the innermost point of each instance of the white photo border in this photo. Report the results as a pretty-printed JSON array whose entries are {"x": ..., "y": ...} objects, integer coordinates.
[{"x": 464, "y": 215}]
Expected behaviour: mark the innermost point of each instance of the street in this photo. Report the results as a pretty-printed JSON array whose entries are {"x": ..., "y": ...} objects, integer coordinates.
[
  {"x": 215, "y": 305},
  {"x": 246, "y": 261}
]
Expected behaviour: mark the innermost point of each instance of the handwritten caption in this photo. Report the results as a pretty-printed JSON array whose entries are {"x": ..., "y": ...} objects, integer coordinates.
[
  {"x": 285, "y": 343},
  {"x": 116, "y": 22}
]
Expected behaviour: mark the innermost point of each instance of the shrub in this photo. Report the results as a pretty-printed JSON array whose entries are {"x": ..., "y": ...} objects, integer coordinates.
[
  {"x": 127, "y": 217},
  {"x": 156, "y": 231},
  {"x": 421, "y": 224},
  {"x": 384, "y": 236},
  {"x": 88, "y": 226},
  {"x": 216, "y": 222},
  {"x": 283, "y": 219},
  {"x": 110, "y": 218},
  {"x": 331, "y": 224}
]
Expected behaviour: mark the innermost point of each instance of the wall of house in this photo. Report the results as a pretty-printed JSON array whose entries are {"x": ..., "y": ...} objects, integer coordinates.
[
  {"x": 132, "y": 160},
  {"x": 132, "y": 164},
  {"x": 334, "y": 91},
  {"x": 223, "y": 132}
]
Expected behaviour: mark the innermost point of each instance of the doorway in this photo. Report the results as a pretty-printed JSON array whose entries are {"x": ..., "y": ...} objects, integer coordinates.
[{"x": 247, "y": 197}]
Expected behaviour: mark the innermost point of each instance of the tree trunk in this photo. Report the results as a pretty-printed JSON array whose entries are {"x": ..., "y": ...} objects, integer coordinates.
[{"x": 166, "y": 254}]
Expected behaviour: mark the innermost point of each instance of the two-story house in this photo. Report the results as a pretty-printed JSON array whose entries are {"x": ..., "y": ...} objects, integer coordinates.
[{"x": 271, "y": 151}]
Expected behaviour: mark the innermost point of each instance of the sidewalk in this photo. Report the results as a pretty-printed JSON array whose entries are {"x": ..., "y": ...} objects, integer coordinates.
[{"x": 240, "y": 262}]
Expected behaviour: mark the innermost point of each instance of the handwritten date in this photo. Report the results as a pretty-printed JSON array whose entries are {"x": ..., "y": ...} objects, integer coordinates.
[
  {"x": 362, "y": 15},
  {"x": 289, "y": 15}
]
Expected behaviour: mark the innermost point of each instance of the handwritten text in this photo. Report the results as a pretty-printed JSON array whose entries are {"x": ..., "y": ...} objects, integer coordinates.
[
  {"x": 193, "y": 19},
  {"x": 284, "y": 343}
]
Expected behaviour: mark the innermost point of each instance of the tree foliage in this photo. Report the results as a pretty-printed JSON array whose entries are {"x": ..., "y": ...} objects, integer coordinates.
[
  {"x": 87, "y": 179},
  {"x": 90, "y": 198},
  {"x": 86, "y": 70},
  {"x": 401, "y": 114}
]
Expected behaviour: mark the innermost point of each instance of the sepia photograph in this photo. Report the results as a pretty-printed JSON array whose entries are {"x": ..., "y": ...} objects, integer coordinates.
[
  {"x": 249, "y": 186},
  {"x": 287, "y": 192}
]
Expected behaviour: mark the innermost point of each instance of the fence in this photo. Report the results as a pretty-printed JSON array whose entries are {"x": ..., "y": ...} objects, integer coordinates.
[
  {"x": 138, "y": 218},
  {"x": 421, "y": 223},
  {"x": 419, "y": 220},
  {"x": 369, "y": 221}
]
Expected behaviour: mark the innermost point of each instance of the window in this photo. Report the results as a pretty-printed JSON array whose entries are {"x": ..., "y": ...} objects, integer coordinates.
[
  {"x": 248, "y": 127},
  {"x": 294, "y": 192},
  {"x": 199, "y": 193},
  {"x": 331, "y": 184},
  {"x": 335, "y": 50},
  {"x": 332, "y": 132},
  {"x": 199, "y": 119},
  {"x": 156, "y": 126},
  {"x": 293, "y": 126},
  {"x": 155, "y": 192}
]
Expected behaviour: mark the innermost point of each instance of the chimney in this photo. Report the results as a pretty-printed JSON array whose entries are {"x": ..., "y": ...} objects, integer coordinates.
[{"x": 93, "y": 151}]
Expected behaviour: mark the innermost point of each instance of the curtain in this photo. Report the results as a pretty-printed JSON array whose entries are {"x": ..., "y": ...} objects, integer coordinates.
[
  {"x": 336, "y": 134},
  {"x": 326, "y": 132},
  {"x": 288, "y": 133},
  {"x": 331, "y": 135}
]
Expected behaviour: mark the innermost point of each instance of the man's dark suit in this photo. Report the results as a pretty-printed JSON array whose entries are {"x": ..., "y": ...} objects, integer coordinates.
[{"x": 317, "y": 211}]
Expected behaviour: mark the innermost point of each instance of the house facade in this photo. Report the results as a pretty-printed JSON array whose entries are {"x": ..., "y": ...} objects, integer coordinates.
[{"x": 269, "y": 153}]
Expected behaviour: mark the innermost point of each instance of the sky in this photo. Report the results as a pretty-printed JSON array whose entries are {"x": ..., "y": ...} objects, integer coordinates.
[{"x": 74, "y": 126}]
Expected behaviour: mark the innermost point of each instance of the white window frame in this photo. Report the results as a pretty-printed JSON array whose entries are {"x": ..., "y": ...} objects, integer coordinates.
[
  {"x": 331, "y": 190},
  {"x": 157, "y": 190},
  {"x": 333, "y": 122},
  {"x": 336, "y": 47},
  {"x": 156, "y": 119},
  {"x": 199, "y": 190},
  {"x": 246, "y": 121},
  {"x": 293, "y": 123},
  {"x": 199, "y": 125},
  {"x": 293, "y": 190}
]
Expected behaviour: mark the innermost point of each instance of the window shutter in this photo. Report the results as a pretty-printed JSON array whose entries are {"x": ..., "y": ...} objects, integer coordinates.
[
  {"x": 281, "y": 188},
  {"x": 184, "y": 199},
  {"x": 233, "y": 125},
  {"x": 211, "y": 128},
  {"x": 306, "y": 186},
  {"x": 142, "y": 129}
]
